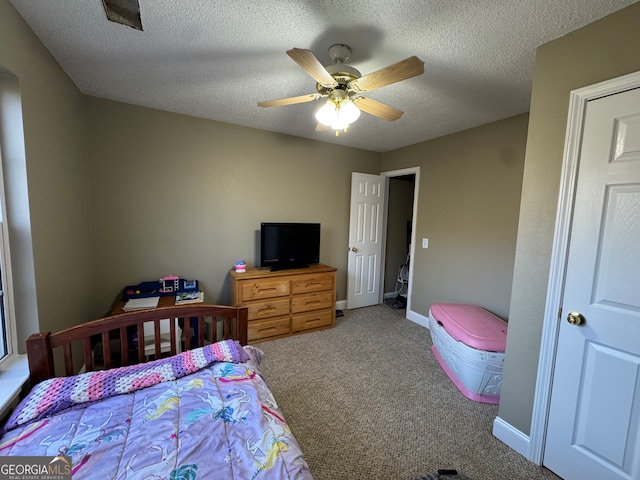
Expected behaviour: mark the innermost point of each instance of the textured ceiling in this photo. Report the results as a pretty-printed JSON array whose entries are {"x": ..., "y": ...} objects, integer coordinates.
[{"x": 216, "y": 59}]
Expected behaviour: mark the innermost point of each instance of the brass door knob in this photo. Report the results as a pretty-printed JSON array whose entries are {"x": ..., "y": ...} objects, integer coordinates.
[
  {"x": 354, "y": 249},
  {"x": 575, "y": 318}
]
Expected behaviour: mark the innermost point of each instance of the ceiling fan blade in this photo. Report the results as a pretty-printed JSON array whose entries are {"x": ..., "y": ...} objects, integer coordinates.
[
  {"x": 310, "y": 64},
  {"x": 290, "y": 101},
  {"x": 321, "y": 128},
  {"x": 407, "y": 68},
  {"x": 378, "y": 109}
]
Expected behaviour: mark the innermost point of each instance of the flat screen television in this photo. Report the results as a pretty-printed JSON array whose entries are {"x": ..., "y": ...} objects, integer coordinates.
[{"x": 289, "y": 245}]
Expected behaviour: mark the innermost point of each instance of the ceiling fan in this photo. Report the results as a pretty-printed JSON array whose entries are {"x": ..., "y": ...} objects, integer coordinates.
[{"x": 343, "y": 86}]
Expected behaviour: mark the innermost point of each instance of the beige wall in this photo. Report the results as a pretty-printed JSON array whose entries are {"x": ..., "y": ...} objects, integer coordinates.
[
  {"x": 605, "y": 49},
  {"x": 51, "y": 252},
  {"x": 179, "y": 195},
  {"x": 468, "y": 201}
]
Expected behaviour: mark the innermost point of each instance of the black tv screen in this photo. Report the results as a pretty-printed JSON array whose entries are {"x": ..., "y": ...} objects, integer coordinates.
[{"x": 289, "y": 245}]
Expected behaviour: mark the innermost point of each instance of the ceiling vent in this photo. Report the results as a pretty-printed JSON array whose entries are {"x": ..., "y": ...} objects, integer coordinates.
[{"x": 126, "y": 12}]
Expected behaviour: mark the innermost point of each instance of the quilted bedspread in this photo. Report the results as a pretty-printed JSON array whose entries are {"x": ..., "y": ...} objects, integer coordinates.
[{"x": 220, "y": 422}]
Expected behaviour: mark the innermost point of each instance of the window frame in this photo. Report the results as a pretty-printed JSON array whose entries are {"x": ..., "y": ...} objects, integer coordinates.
[
  {"x": 14, "y": 367},
  {"x": 6, "y": 279}
]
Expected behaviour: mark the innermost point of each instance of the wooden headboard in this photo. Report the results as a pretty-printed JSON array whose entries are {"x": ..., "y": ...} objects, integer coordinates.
[{"x": 111, "y": 336}]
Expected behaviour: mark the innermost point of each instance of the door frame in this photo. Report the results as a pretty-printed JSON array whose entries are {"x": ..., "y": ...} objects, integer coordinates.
[
  {"x": 551, "y": 323},
  {"x": 410, "y": 314}
]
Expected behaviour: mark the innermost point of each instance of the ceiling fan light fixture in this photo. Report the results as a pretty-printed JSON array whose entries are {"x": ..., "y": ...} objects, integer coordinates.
[
  {"x": 348, "y": 111},
  {"x": 339, "y": 124},
  {"x": 326, "y": 113},
  {"x": 338, "y": 114}
]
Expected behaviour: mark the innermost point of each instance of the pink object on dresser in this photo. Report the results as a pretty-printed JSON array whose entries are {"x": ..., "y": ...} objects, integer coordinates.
[{"x": 469, "y": 344}]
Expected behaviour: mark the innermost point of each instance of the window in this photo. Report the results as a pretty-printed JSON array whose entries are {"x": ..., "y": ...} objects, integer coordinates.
[
  {"x": 13, "y": 198},
  {"x": 6, "y": 339},
  {"x": 3, "y": 326},
  {"x": 14, "y": 369}
]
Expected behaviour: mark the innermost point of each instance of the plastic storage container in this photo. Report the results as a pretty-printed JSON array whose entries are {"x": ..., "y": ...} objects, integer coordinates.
[{"x": 469, "y": 344}]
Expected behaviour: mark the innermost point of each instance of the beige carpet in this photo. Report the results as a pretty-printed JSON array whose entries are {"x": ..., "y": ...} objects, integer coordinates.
[{"x": 367, "y": 400}]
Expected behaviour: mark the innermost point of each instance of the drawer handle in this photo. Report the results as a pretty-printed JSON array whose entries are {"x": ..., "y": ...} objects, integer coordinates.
[
  {"x": 313, "y": 302},
  {"x": 266, "y": 309},
  {"x": 270, "y": 289},
  {"x": 311, "y": 284},
  {"x": 266, "y": 329}
]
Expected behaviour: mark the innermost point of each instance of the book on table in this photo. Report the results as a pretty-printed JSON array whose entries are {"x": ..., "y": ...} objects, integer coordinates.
[{"x": 189, "y": 297}]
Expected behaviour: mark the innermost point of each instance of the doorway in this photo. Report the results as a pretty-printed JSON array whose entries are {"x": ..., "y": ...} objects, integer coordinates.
[{"x": 400, "y": 219}]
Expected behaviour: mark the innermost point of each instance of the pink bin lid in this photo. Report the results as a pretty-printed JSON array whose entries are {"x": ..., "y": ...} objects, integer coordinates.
[{"x": 472, "y": 325}]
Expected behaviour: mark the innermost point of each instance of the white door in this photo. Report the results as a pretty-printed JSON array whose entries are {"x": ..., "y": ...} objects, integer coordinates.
[
  {"x": 593, "y": 427},
  {"x": 365, "y": 240}
]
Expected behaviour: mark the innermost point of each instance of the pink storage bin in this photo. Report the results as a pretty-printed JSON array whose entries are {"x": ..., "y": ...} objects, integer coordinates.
[{"x": 469, "y": 344}]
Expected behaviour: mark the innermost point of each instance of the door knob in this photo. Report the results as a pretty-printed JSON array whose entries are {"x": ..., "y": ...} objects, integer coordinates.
[
  {"x": 575, "y": 318},
  {"x": 354, "y": 249}
]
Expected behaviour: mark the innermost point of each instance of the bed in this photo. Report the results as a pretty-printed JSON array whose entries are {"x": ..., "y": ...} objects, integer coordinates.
[{"x": 205, "y": 412}]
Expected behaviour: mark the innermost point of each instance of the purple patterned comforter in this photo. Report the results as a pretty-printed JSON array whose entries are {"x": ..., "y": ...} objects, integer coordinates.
[{"x": 220, "y": 421}]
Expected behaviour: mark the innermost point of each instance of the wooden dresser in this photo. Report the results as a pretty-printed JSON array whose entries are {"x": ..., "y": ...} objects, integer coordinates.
[{"x": 286, "y": 302}]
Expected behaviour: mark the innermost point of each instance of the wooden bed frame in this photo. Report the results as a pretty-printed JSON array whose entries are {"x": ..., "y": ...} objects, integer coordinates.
[{"x": 118, "y": 328}]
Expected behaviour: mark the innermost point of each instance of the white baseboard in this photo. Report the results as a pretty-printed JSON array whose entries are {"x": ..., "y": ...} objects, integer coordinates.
[
  {"x": 418, "y": 318},
  {"x": 341, "y": 304},
  {"x": 512, "y": 437}
]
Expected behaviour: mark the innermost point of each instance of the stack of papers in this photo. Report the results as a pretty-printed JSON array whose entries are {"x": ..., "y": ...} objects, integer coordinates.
[{"x": 140, "y": 303}]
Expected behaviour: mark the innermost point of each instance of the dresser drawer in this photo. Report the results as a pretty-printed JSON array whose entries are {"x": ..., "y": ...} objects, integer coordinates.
[
  {"x": 264, "y": 289},
  {"x": 323, "y": 318},
  {"x": 261, "y": 329},
  {"x": 312, "y": 283},
  {"x": 270, "y": 308},
  {"x": 314, "y": 301}
]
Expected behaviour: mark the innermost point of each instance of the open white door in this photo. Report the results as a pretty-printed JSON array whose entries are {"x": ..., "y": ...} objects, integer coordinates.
[
  {"x": 368, "y": 194},
  {"x": 593, "y": 427}
]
